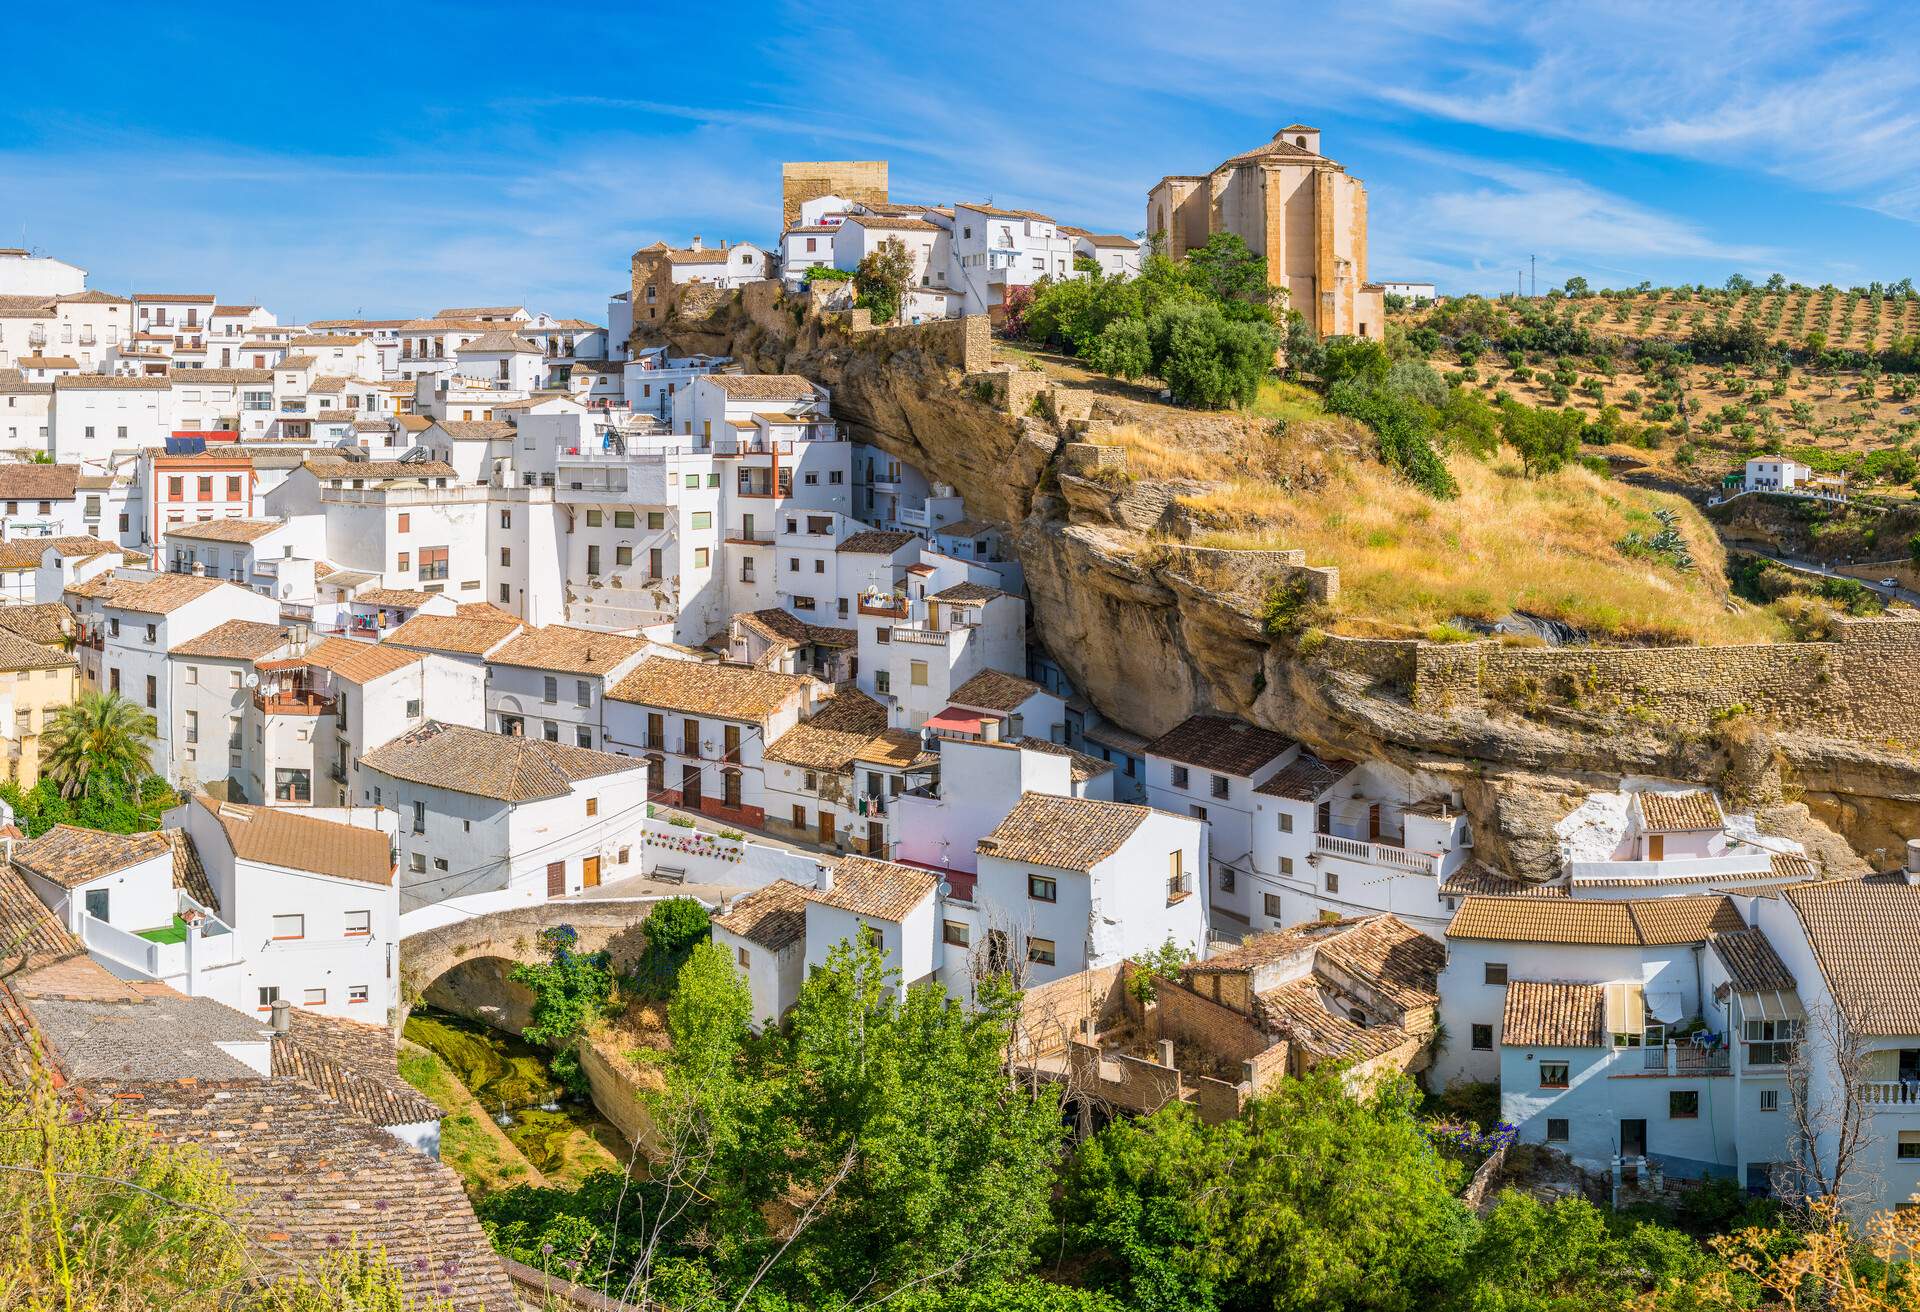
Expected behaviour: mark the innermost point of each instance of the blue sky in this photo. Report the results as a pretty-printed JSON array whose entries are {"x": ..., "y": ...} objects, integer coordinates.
[{"x": 386, "y": 161}]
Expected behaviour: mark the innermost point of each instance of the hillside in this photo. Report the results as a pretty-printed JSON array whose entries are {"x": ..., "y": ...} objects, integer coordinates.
[{"x": 1683, "y": 385}]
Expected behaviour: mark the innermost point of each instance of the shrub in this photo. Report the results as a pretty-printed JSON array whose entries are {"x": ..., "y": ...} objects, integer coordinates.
[
  {"x": 673, "y": 928},
  {"x": 1122, "y": 350},
  {"x": 825, "y": 273},
  {"x": 1207, "y": 359}
]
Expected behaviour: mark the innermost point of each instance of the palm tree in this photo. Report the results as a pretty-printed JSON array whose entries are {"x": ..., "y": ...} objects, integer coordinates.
[{"x": 97, "y": 741}]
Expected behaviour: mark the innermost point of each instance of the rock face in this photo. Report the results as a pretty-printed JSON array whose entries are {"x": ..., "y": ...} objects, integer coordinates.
[{"x": 1151, "y": 631}]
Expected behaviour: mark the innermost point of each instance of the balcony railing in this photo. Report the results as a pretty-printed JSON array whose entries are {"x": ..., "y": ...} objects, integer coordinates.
[
  {"x": 921, "y": 637},
  {"x": 887, "y": 608},
  {"x": 1883, "y": 1093},
  {"x": 1678, "y": 1057},
  {"x": 294, "y": 702},
  {"x": 1374, "y": 854}
]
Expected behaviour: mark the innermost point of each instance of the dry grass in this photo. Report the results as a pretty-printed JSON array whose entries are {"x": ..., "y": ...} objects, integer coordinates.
[
  {"x": 1546, "y": 546},
  {"x": 1155, "y": 456}
]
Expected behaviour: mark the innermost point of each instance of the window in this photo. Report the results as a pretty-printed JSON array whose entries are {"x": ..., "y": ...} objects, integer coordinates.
[
  {"x": 917, "y": 673},
  {"x": 1222, "y": 786},
  {"x": 623, "y": 519},
  {"x": 1333, "y": 882},
  {"x": 1176, "y": 875},
  {"x": 1226, "y": 879},
  {"x": 1770, "y": 1100},
  {"x": 1286, "y": 823},
  {"x": 1626, "y": 1013},
  {"x": 356, "y": 993},
  {"x": 656, "y": 519},
  {"x": 1286, "y": 865},
  {"x": 955, "y": 933},
  {"x": 582, "y": 736},
  {"x": 702, "y": 519},
  {"x": 413, "y": 709},
  {"x": 314, "y": 998},
  {"x": 417, "y": 863},
  {"x": 1553, "y": 1075},
  {"x": 1483, "y": 1038},
  {"x": 593, "y": 806},
  {"x": 700, "y": 557},
  {"x": 1179, "y": 776},
  {"x": 549, "y": 689},
  {"x": 1040, "y": 951},
  {"x": 1495, "y": 973},
  {"x": 439, "y": 863},
  {"x": 292, "y": 785},
  {"x": 113, "y": 627},
  {"x": 623, "y": 555},
  {"x": 1556, "y": 1129},
  {"x": 1770, "y": 1042},
  {"x": 153, "y": 632},
  {"x": 404, "y": 561},
  {"x": 595, "y": 519},
  {"x": 359, "y": 924},
  {"x": 293, "y": 926},
  {"x": 1683, "y": 1105},
  {"x": 153, "y": 691},
  {"x": 419, "y": 817},
  {"x": 1042, "y": 889},
  {"x": 1271, "y": 905},
  {"x": 433, "y": 563},
  {"x": 193, "y": 675}
]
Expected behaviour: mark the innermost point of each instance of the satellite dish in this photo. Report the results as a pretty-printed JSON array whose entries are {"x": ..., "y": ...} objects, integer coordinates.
[
  {"x": 946, "y": 890},
  {"x": 252, "y": 680}
]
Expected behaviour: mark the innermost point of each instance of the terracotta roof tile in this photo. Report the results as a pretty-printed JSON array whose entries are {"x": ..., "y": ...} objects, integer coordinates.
[
  {"x": 574, "y": 651},
  {"x": 1751, "y": 962},
  {"x": 1219, "y": 742},
  {"x": 775, "y": 917},
  {"x": 26, "y": 553},
  {"x": 359, "y": 662},
  {"x": 1296, "y": 1011},
  {"x": 728, "y": 692},
  {"x": 1673, "y": 812},
  {"x": 69, "y": 856},
  {"x": 967, "y": 594},
  {"x": 1399, "y": 961},
  {"x": 47, "y": 623},
  {"x": 764, "y": 387},
  {"x": 504, "y": 767},
  {"x": 1552, "y": 1014},
  {"x": 248, "y": 640},
  {"x": 1668, "y": 920},
  {"x": 1866, "y": 938},
  {"x": 30, "y": 482},
  {"x": 452, "y": 634},
  {"x": 877, "y": 542},
  {"x": 832, "y": 737},
  {"x": 161, "y": 595},
  {"x": 1305, "y": 779},
  {"x": 1080, "y": 766},
  {"x": 1476, "y": 877},
  {"x": 992, "y": 690},
  {"x": 884, "y": 890},
  {"x": 780, "y": 625},
  {"x": 277, "y": 836},
  {"x": 29, "y": 932},
  {"x": 189, "y": 872},
  {"x": 1068, "y": 833},
  {"x": 352, "y": 1063}
]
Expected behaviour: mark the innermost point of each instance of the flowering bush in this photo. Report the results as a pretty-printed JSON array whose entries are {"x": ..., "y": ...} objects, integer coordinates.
[{"x": 1469, "y": 1141}]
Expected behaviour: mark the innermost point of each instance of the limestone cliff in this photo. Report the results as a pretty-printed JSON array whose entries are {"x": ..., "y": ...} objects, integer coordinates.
[{"x": 1149, "y": 631}]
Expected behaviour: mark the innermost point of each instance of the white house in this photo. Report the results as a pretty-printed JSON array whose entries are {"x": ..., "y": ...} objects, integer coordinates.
[
  {"x": 889, "y": 905},
  {"x": 552, "y": 682},
  {"x": 765, "y": 932},
  {"x": 1413, "y": 291},
  {"x": 1655, "y": 839},
  {"x": 94, "y": 415},
  {"x": 488, "y": 813},
  {"x": 997, "y": 249},
  {"x": 312, "y": 899},
  {"x": 1208, "y": 767},
  {"x": 1068, "y": 883},
  {"x": 940, "y": 825},
  {"x": 1777, "y": 473},
  {"x": 1117, "y": 255}
]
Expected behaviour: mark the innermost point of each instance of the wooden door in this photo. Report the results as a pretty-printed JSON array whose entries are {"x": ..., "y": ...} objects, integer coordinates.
[
  {"x": 556, "y": 879},
  {"x": 656, "y": 732},
  {"x": 1656, "y": 847},
  {"x": 690, "y": 787},
  {"x": 1373, "y": 823},
  {"x": 825, "y": 829},
  {"x": 589, "y": 872},
  {"x": 730, "y": 782},
  {"x": 874, "y": 841}
]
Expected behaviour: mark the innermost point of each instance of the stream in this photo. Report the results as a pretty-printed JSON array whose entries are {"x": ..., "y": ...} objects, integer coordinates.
[{"x": 558, "y": 1132}]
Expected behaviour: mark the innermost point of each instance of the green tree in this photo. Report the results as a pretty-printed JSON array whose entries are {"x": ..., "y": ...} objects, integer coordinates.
[
  {"x": 672, "y": 929},
  {"x": 1545, "y": 440},
  {"x": 1577, "y": 286},
  {"x": 1226, "y": 270},
  {"x": 571, "y": 990},
  {"x": 880, "y": 280},
  {"x": 1122, "y": 350},
  {"x": 98, "y": 742},
  {"x": 1313, "y": 1199},
  {"x": 1207, "y": 359}
]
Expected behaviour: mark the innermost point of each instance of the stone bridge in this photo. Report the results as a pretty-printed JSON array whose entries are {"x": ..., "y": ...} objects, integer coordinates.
[{"x": 514, "y": 935}]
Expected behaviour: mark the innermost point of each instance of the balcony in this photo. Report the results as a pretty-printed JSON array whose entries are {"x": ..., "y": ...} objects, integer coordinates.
[
  {"x": 1369, "y": 853},
  {"x": 1675, "y": 1057},
  {"x": 892, "y": 608},
  {"x": 915, "y": 516},
  {"x": 1892, "y": 1093},
  {"x": 337, "y": 772},
  {"x": 757, "y": 538},
  {"x": 296, "y": 701},
  {"x": 921, "y": 637}
]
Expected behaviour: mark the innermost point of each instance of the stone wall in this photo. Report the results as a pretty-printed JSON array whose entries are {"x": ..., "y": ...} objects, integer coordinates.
[
  {"x": 1249, "y": 574},
  {"x": 614, "y": 1095},
  {"x": 1131, "y": 1082},
  {"x": 1186, "y": 1016},
  {"x": 1850, "y": 687},
  {"x": 863, "y": 180},
  {"x": 1052, "y": 1014}
]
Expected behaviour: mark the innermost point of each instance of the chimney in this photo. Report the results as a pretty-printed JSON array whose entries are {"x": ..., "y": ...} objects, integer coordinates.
[
  {"x": 199, "y": 569},
  {"x": 1166, "y": 1052},
  {"x": 1912, "y": 870},
  {"x": 823, "y": 877},
  {"x": 989, "y": 729},
  {"x": 282, "y": 1015},
  {"x": 696, "y": 242}
]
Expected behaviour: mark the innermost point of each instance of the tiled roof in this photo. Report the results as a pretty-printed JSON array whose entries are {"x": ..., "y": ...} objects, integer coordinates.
[
  {"x": 991, "y": 690},
  {"x": 189, "y": 872},
  {"x": 1751, "y": 962},
  {"x": 1069, "y": 833},
  {"x": 1398, "y": 960},
  {"x": 1476, "y": 877},
  {"x": 380, "y": 471},
  {"x": 1296, "y": 1011},
  {"x": 352, "y": 1063},
  {"x": 507, "y": 768},
  {"x": 277, "y": 836},
  {"x": 407, "y": 597},
  {"x": 980, "y": 208},
  {"x": 832, "y": 737},
  {"x": 1219, "y": 742},
  {"x": 479, "y": 312},
  {"x": 1306, "y": 778},
  {"x": 1782, "y": 865},
  {"x": 574, "y": 651},
  {"x": 1081, "y": 766},
  {"x": 477, "y": 430},
  {"x": 451, "y": 633},
  {"x": 146, "y": 1032},
  {"x": 1671, "y": 812},
  {"x": 47, "y": 623},
  {"x": 1113, "y": 239},
  {"x": 728, "y": 692},
  {"x": 30, "y": 482},
  {"x": 312, "y": 1178},
  {"x": 108, "y": 383},
  {"x": 879, "y": 221},
  {"x": 1866, "y": 937},
  {"x": 877, "y": 542},
  {"x": 897, "y": 749},
  {"x": 967, "y": 594},
  {"x": 248, "y": 640},
  {"x": 359, "y": 662},
  {"x": 1646, "y": 921},
  {"x": 764, "y": 387},
  {"x": 968, "y": 528},
  {"x": 226, "y": 530},
  {"x": 1553, "y": 1014},
  {"x": 885, "y": 890},
  {"x": 784, "y": 626},
  {"x": 775, "y": 917},
  {"x": 501, "y": 342},
  {"x": 17, "y": 653},
  {"x": 1259, "y": 949},
  {"x": 175, "y": 298},
  {"x": 157, "y": 596},
  {"x": 26, "y": 553},
  {"x": 1116, "y": 738},
  {"x": 218, "y": 377},
  {"x": 28, "y": 930},
  {"x": 69, "y": 856}
]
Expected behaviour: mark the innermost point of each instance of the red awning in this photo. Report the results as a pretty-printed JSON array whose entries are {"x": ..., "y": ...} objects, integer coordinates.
[{"x": 955, "y": 720}]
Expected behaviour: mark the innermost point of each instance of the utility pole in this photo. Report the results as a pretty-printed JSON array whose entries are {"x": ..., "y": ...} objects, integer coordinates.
[
  {"x": 1533, "y": 276},
  {"x": 1519, "y": 283}
]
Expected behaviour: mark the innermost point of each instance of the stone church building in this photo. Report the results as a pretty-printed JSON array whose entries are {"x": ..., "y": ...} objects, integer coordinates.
[{"x": 1305, "y": 213}]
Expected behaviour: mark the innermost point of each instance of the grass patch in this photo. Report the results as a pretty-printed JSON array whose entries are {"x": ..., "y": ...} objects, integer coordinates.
[
  {"x": 1285, "y": 401},
  {"x": 484, "y": 1159}
]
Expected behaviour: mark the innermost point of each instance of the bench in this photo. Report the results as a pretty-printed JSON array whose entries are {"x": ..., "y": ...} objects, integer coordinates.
[{"x": 669, "y": 874}]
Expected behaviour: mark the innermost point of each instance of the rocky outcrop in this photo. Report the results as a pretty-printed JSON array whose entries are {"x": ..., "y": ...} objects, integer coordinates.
[{"x": 1149, "y": 633}]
